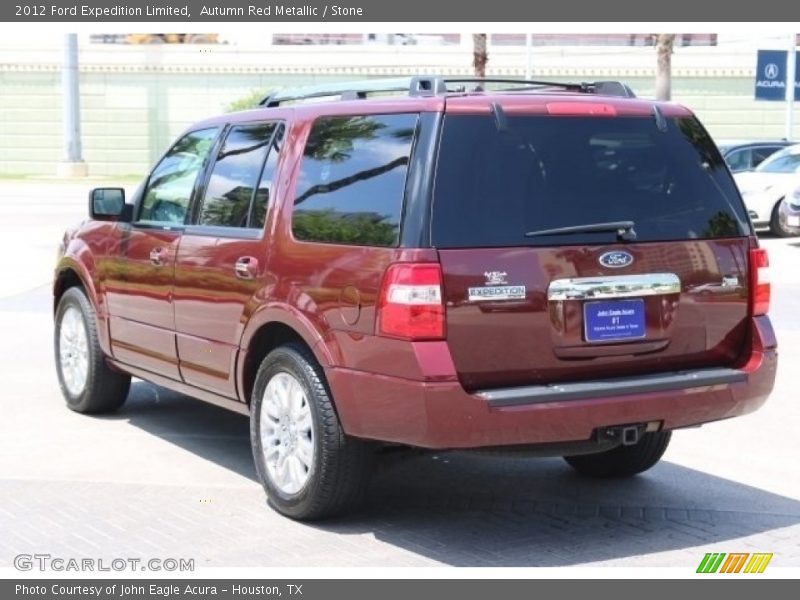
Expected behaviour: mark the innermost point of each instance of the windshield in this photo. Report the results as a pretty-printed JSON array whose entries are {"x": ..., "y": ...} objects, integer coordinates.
[
  {"x": 785, "y": 161},
  {"x": 495, "y": 184}
]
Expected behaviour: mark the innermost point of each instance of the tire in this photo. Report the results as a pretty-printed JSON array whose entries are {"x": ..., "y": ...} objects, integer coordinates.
[
  {"x": 87, "y": 383},
  {"x": 311, "y": 469},
  {"x": 623, "y": 461},
  {"x": 775, "y": 225}
]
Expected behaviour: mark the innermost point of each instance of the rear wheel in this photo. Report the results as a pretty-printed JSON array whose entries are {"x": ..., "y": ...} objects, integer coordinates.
[
  {"x": 623, "y": 461},
  {"x": 87, "y": 383},
  {"x": 309, "y": 468},
  {"x": 775, "y": 225}
]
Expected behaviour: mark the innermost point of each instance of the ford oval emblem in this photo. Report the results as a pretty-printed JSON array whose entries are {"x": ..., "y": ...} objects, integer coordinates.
[{"x": 616, "y": 259}]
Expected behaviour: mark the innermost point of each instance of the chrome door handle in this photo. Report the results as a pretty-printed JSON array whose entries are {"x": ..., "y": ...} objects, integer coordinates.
[
  {"x": 246, "y": 267},
  {"x": 157, "y": 256}
]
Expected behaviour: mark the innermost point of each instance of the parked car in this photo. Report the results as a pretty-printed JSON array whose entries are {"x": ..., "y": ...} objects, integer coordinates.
[
  {"x": 426, "y": 263},
  {"x": 764, "y": 188},
  {"x": 789, "y": 212},
  {"x": 747, "y": 155}
]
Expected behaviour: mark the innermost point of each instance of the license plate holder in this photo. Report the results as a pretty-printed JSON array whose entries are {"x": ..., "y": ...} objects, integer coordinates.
[{"x": 614, "y": 320}]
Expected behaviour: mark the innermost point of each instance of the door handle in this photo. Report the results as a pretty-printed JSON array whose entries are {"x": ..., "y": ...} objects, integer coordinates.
[
  {"x": 157, "y": 256},
  {"x": 246, "y": 267}
]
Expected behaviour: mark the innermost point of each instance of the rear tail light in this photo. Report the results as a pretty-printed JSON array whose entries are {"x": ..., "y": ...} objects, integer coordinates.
[
  {"x": 410, "y": 305},
  {"x": 759, "y": 281}
]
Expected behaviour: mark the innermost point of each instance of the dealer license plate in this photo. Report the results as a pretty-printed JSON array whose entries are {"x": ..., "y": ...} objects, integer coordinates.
[{"x": 613, "y": 320}]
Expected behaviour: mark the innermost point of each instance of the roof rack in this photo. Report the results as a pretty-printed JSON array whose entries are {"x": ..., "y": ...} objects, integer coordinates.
[{"x": 423, "y": 85}]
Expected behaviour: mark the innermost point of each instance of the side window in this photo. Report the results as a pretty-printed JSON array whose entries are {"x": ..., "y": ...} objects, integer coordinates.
[
  {"x": 352, "y": 180},
  {"x": 759, "y": 154},
  {"x": 171, "y": 183},
  {"x": 228, "y": 199},
  {"x": 739, "y": 160},
  {"x": 266, "y": 187}
]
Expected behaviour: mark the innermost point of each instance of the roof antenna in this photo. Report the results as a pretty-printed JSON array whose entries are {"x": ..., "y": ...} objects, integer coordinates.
[
  {"x": 500, "y": 119},
  {"x": 661, "y": 122}
]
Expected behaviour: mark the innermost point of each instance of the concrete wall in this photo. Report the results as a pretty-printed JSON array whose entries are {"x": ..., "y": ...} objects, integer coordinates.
[{"x": 136, "y": 99}]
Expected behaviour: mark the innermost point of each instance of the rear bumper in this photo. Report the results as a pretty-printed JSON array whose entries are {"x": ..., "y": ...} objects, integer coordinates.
[{"x": 442, "y": 414}]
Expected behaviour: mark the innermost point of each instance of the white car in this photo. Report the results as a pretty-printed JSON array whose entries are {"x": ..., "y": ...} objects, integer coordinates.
[{"x": 767, "y": 185}]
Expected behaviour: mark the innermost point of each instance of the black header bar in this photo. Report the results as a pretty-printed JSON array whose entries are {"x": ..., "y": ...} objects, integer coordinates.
[{"x": 373, "y": 11}]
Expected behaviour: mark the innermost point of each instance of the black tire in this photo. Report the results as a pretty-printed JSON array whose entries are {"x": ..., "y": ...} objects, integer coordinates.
[
  {"x": 623, "y": 461},
  {"x": 339, "y": 471},
  {"x": 105, "y": 390},
  {"x": 775, "y": 225}
]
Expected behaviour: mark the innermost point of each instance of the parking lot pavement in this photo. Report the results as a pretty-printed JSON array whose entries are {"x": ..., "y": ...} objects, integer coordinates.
[{"x": 172, "y": 477}]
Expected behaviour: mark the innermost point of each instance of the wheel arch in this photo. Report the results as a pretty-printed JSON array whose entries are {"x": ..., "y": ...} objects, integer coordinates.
[
  {"x": 70, "y": 273},
  {"x": 268, "y": 330}
]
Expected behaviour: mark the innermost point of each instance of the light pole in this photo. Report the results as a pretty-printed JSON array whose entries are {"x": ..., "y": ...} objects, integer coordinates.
[
  {"x": 72, "y": 164},
  {"x": 528, "y": 57},
  {"x": 791, "y": 67}
]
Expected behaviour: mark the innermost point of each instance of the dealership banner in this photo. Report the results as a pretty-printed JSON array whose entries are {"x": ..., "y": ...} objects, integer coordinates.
[
  {"x": 355, "y": 11},
  {"x": 771, "y": 73}
]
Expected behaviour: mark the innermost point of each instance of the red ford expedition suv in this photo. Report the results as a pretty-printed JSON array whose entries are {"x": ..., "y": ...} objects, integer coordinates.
[{"x": 559, "y": 269}]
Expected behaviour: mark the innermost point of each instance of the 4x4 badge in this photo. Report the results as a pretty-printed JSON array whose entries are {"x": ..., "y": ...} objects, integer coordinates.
[
  {"x": 616, "y": 259},
  {"x": 496, "y": 277}
]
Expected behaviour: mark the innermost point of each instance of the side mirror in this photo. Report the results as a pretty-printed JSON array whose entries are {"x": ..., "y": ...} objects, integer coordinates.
[{"x": 108, "y": 204}]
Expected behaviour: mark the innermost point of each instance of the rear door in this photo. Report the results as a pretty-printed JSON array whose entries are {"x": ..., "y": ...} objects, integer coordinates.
[
  {"x": 221, "y": 261},
  {"x": 529, "y": 303}
]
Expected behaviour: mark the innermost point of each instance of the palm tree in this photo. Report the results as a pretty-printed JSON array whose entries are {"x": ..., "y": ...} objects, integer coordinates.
[
  {"x": 479, "y": 54},
  {"x": 664, "y": 46}
]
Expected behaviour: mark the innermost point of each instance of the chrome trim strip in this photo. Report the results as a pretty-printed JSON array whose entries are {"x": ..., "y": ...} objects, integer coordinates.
[
  {"x": 614, "y": 286},
  {"x": 607, "y": 388}
]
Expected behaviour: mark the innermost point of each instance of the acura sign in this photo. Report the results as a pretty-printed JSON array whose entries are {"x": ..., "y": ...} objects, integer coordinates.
[{"x": 771, "y": 76}]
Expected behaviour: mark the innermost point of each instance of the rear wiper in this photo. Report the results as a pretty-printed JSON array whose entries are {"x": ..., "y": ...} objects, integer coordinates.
[{"x": 623, "y": 229}]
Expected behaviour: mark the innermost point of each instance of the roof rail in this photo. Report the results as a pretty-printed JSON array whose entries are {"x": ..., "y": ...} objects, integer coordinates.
[
  {"x": 426, "y": 85},
  {"x": 350, "y": 90}
]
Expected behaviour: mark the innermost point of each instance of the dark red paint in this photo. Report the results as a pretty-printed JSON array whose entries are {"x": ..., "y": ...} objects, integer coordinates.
[{"x": 188, "y": 323}]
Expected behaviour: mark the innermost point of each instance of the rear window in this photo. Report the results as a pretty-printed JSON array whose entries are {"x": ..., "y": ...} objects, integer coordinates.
[{"x": 541, "y": 172}]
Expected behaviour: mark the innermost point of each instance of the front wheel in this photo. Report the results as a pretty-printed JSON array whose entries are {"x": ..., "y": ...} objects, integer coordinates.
[
  {"x": 776, "y": 225},
  {"x": 88, "y": 384},
  {"x": 309, "y": 468},
  {"x": 623, "y": 461}
]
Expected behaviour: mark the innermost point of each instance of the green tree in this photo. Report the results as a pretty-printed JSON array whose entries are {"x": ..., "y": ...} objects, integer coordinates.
[
  {"x": 247, "y": 102},
  {"x": 363, "y": 228},
  {"x": 333, "y": 139}
]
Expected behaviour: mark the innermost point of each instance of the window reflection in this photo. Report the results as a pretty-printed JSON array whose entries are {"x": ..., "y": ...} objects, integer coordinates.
[
  {"x": 352, "y": 179},
  {"x": 171, "y": 183},
  {"x": 232, "y": 183},
  {"x": 266, "y": 185}
]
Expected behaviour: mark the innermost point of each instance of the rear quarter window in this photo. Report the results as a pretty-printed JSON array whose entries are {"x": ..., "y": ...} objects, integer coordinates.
[
  {"x": 546, "y": 172},
  {"x": 352, "y": 178}
]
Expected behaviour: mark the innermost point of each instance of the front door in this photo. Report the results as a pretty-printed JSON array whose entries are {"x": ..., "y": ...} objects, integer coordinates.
[{"x": 139, "y": 284}]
